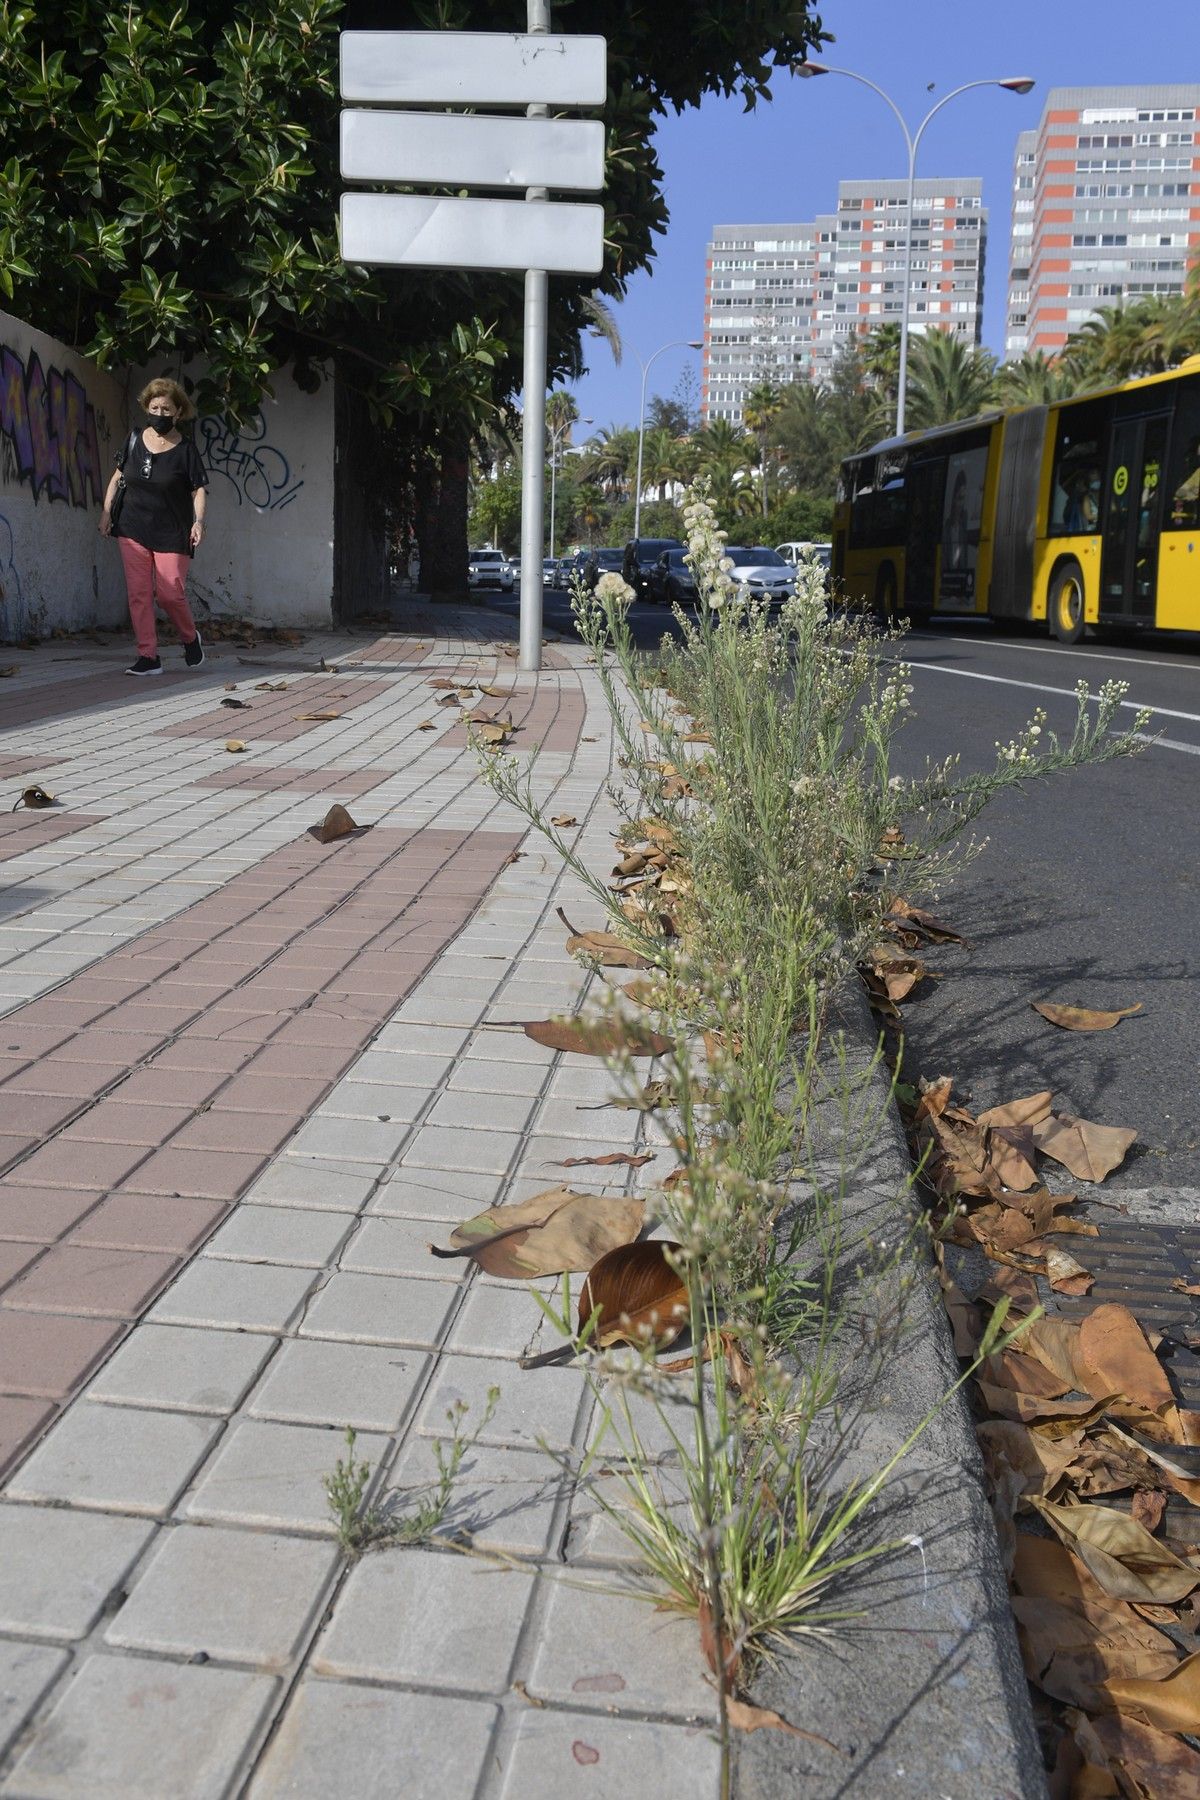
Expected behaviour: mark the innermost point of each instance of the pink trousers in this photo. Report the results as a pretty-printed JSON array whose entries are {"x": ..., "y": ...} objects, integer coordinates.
[{"x": 156, "y": 575}]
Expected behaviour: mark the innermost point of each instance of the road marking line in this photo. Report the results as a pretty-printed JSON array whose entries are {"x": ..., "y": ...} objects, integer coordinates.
[
  {"x": 1040, "y": 687},
  {"x": 1167, "y": 743},
  {"x": 1138, "y": 662}
]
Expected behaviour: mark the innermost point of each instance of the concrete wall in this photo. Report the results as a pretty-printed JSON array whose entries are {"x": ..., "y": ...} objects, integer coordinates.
[
  {"x": 268, "y": 553},
  {"x": 61, "y": 422}
]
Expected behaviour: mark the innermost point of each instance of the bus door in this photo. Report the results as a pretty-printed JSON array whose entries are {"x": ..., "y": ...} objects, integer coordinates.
[
  {"x": 1132, "y": 519},
  {"x": 923, "y": 498}
]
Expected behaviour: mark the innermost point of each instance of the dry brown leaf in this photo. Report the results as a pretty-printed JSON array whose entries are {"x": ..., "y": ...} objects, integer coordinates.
[
  {"x": 1181, "y": 1460},
  {"x": 1180, "y": 1286},
  {"x": 495, "y": 734},
  {"x": 35, "y": 798},
  {"x": 442, "y": 682},
  {"x": 1113, "y": 1357},
  {"x": 1029, "y": 1111},
  {"x": 1066, "y": 1276},
  {"x": 934, "y": 930},
  {"x": 9, "y": 669},
  {"x": 229, "y": 701},
  {"x": 1009, "y": 1369},
  {"x": 1082, "y": 1018},
  {"x": 562, "y": 820},
  {"x": 1053, "y": 1418},
  {"x": 270, "y": 687},
  {"x": 1072, "y": 1654},
  {"x": 1148, "y": 1506},
  {"x": 427, "y": 725},
  {"x": 1127, "y": 1562},
  {"x": 934, "y": 1097},
  {"x": 1089, "y": 1151},
  {"x": 1150, "y": 1764},
  {"x": 337, "y": 823},
  {"x": 639, "y": 1297},
  {"x": 744, "y": 1717},
  {"x": 495, "y": 693},
  {"x": 1011, "y": 1153},
  {"x": 1171, "y": 1703},
  {"x": 319, "y": 715},
  {"x": 549, "y": 1234},
  {"x": 234, "y": 746},
  {"x": 611, "y": 1159},
  {"x": 600, "y": 1037},
  {"x": 1041, "y": 1462}
]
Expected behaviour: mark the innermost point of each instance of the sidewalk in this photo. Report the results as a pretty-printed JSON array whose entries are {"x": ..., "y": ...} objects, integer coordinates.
[{"x": 245, "y": 1079}]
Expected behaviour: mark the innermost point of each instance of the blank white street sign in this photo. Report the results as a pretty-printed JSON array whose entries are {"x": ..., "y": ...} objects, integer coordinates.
[
  {"x": 473, "y": 68},
  {"x": 423, "y": 232},
  {"x": 465, "y": 150}
]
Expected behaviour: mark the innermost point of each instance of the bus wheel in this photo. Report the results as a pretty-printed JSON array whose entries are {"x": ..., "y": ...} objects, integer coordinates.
[
  {"x": 885, "y": 597},
  {"x": 1065, "y": 611}
]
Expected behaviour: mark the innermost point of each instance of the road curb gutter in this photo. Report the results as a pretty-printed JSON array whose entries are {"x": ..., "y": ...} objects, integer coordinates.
[{"x": 924, "y": 1694}]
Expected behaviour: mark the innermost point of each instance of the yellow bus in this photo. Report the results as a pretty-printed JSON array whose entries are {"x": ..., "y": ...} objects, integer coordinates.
[{"x": 1082, "y": 513}]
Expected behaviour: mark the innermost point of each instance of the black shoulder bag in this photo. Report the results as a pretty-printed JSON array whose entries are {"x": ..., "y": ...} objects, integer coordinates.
[{"x": 118, "y": 500}]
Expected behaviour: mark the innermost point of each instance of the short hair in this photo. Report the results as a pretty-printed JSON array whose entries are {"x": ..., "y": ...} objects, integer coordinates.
[{"x": 163, "y": 388}]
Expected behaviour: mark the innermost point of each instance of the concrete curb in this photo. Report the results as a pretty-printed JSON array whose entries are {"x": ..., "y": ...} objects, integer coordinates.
[{"x": 925, "y": 1693}]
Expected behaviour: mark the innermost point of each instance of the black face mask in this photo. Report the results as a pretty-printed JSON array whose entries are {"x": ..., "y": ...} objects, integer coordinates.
[{"x": 164, "y": 427}]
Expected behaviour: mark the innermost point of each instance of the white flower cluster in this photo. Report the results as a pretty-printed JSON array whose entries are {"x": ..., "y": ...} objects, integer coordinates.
[
  {"x": 1022, "y": 751},
  {"x": 706, "y": 547},
  {"x": 614, "y": 589}
]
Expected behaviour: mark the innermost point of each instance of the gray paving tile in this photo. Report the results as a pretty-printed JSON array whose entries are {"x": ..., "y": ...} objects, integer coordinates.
[
  {"x": 295, "y": 1235},
  {"x": 126, "y": 1729},
  {"x": 58, "y": 1567},
  {"x": 393, "y": 1068},
  {"x": 507, "y": 1500},
  {"x": 242, "y": 1596},
  {"x": 452, "y": 1147},
  {"x": 501, "y": 1319},
  {"x": 273, "y": 1475},
  {"x": 377, "y": 1101},
  {"x": 374, "y": 1744},
  {"x": 119, "y": 1458},
  {"x": 430, "y": 1617},
  {"x": 240, "y": 1296},
  {"x": 315, "y": 1382},
  {"x": 436, "y": 1194},
  {"x": 401, "y": 1247},
  {"x": 26, "y": 1671},
  {"x": 313, "y": 1181},
  {"x": 558, "y": 1754},
  {"x": 476, "y": 1076},
  {"x": 482, "y": 1111},
  {"x": 619, "y": 1649},
  {"x": 350, "y": 1140},
  {"x": 421, "y": 1040},
  {"x": 380, "y": 1309},
  {"x": 535, "y": 1406},
  {"x": 182, "y": 1368}
]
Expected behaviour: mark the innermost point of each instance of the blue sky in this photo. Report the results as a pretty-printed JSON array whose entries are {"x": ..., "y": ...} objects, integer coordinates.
[{"x": 784, "y": 161}]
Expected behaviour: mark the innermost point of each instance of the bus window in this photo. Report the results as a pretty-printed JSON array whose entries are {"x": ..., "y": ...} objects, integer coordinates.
[
  {"x": 1183, "y": 472},
  {"x": 1078, "y": 466}
]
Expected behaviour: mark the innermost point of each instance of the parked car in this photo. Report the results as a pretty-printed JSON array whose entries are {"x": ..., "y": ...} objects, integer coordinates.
[
  {"x": 796, "y": 553},
  {"x": 761, "y": 570},
  {"x": 489, "y": 569},
  {"x": 601, "y": 562},
  {"x": 549, "y": 571},
  {"x": 671, "y": 580},
  {"x": 640, "y": 556}
]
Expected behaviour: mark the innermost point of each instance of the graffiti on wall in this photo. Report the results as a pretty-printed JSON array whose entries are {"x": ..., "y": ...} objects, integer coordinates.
[
  {"x": 48, "y": 430},
  {"x": 259, "y": 473}
]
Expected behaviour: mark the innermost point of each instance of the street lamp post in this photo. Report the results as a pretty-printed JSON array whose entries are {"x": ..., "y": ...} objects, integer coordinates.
[
  {"x": 675, "y": 344},
  {"x": 555, "y": 434},
  {"x": 1014, "y": 84}
]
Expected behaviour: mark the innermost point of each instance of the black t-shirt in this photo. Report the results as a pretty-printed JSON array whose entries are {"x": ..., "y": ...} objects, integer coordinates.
[{"x": 157, "y": 510}]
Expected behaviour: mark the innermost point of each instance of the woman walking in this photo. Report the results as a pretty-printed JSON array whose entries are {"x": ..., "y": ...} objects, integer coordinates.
[{"x": 159, "y": 521}]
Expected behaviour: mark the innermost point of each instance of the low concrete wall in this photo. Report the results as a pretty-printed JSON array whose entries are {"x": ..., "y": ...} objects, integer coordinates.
[
  {"x": 61, "y": 422},
  {"x": 268, "y": 552}
]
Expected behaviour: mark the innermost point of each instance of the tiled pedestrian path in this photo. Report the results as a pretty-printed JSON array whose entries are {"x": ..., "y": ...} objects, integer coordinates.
[{"x": 245, "y": 1079}]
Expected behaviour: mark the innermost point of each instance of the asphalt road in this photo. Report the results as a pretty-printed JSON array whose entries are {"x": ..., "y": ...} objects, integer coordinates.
[{"x": 1088, "y": 891}]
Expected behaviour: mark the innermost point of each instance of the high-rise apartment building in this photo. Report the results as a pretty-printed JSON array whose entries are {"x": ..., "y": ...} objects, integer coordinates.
[
  {"x": 781, "y": 300},
  {"x": 859, "y": 276},
  {"x": 758, "y": 304},
  {"x": 1106, "y": 207}
]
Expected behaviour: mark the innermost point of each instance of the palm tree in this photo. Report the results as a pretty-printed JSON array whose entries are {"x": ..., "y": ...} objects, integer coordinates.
[
  {"x": 881, "y": 359},
  {"x": 662, "y": 464},
  {"x": 947, "y": 380},
  {"x": 760, "y": 412},
  {"x": 602, "y": 323},
  {"x": 562, "y": 410},
  {"x": 610, "y": 458},
  {"x": 1035, "y": 379}
]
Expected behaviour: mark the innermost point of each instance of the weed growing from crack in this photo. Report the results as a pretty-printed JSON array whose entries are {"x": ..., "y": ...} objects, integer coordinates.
[{"x": 362, "y": 1527}]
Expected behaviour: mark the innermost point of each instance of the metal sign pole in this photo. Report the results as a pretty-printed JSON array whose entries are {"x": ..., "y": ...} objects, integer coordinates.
[{"x": 533, "y": 427}]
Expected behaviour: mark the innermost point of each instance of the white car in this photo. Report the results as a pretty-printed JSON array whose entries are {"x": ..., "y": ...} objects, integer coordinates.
[
  {"x": 761, "y": 570},
  {"x": 489, "y": 569}
]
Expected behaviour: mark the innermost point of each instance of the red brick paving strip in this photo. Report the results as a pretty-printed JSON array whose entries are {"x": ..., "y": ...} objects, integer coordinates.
[
  {"x": 141, "y": 1098},
  {"x": 277, "y": 717},
  {"x": 40, "y": 701},
  {"x": 31, "y": 830},
  {"x": 301, "y": 781},
  {"x": 551, "y": 716},
  {"x": 11, "y": 766}
]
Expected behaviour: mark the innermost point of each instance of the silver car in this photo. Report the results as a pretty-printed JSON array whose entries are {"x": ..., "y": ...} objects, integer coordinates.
[
  {"x": 763, "y": 571},
  {"x": 489, "y": 569}
]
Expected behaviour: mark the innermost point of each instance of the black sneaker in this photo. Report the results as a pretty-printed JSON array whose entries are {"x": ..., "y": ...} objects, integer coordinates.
[
  {"x": 193, "y": 653},
  {"x": 145, "y": 665}
]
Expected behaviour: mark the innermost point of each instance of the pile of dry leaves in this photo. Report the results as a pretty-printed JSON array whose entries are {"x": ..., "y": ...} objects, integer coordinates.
[{"x": 1074, "y": 1415}]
